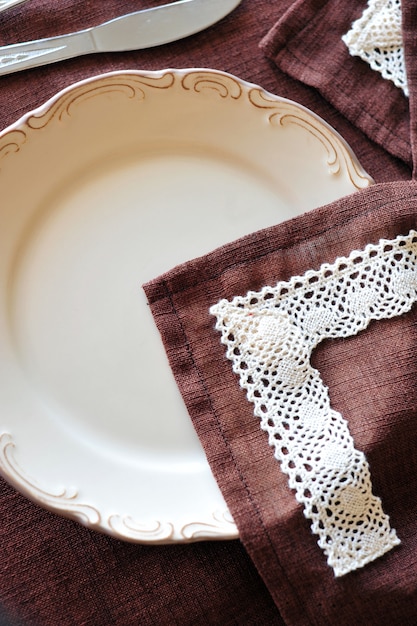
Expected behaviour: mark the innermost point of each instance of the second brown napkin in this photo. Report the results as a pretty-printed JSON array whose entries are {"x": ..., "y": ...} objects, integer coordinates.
[{"x": 306, "y": 43}]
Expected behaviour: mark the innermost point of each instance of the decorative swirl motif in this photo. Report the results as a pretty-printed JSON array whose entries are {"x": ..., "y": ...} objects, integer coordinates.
[
  {"x": 127, "y": 528},
  {"x": 283, "y": 112},
  {"x": 128, "y": 85},
  {"x": 225, "y": 85},
  {"x": 222, "y": 526},
  {"x": 64, "y": 501},
  {"x": 63, "y": 106},
  {"x": 157, "y": 532},
  {"x": 11, "y": 142}
]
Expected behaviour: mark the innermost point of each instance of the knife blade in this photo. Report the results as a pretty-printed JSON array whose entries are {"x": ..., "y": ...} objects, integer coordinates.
[{"x": 135, "y": 31}]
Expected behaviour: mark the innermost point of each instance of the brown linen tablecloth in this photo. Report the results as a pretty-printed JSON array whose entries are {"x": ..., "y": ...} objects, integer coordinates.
[{"x": 54, "y": 571}]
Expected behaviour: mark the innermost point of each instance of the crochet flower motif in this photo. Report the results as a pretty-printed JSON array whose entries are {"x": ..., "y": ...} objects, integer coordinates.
[
  {"x": 269, "y": 336},
  {"x": 376, "y": 38}
]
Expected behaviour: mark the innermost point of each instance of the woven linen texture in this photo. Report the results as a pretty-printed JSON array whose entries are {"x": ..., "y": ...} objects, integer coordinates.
[
  {"x": 376, "y": 37},
  {"x": 269, "y": 336}
]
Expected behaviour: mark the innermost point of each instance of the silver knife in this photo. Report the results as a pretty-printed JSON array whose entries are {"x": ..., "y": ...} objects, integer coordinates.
[
  {"x": 8, "y": 4},
  {"x": 135, "y": 31}
]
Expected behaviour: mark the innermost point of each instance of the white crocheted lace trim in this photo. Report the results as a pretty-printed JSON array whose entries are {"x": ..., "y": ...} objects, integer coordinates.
[
  {"x": 269, "y": 336},
  {"x": 376, "y": 38}
]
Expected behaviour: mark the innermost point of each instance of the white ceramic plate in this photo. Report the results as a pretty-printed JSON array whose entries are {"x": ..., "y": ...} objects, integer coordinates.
[{"x": 113, "y": 181}]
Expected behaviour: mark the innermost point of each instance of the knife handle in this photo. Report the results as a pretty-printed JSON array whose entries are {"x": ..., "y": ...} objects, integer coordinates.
[
  {"x": 8, "y": 4},
  {"x": 22, "y": 56}
]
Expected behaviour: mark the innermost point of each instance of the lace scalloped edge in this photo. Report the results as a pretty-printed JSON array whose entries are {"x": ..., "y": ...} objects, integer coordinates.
[
  {"x": 376, "y": 38},
  {"x": 269, "y": 336}
]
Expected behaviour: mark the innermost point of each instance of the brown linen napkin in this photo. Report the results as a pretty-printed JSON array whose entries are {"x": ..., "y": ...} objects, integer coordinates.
[
  {"x": 306, "y": 43},
  {"x": 370, "y": 374},
  {"x": 371, "y": 377}
]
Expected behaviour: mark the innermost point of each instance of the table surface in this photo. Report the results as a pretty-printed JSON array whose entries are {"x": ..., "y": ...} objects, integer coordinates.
[{"x": 53, "y": 570}]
